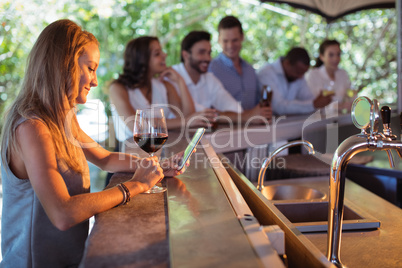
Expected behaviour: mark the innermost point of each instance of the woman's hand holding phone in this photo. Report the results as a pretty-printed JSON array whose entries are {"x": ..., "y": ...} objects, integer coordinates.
[
  {"x": 176, "y": 164},
  {"x": 170, "y": 165}
]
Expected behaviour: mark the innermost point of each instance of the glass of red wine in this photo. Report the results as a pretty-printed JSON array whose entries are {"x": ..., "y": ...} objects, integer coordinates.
[{"x": 150, "y": 133}]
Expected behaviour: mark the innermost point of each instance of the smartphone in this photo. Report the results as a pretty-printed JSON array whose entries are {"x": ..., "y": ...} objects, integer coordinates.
[{"x": 191, "y": 146}]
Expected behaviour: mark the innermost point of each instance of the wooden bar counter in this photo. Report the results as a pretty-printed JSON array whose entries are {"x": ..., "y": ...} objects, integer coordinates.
[
  {"x": 191, "y": 225},
  {"x": 196, "y": 223}
]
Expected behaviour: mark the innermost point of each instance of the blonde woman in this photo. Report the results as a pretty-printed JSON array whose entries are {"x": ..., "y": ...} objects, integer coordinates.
[{"x": 44, "y": 152}]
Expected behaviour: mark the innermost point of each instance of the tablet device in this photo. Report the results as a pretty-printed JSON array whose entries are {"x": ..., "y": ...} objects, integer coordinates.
[{"x": 191, "y": 146}]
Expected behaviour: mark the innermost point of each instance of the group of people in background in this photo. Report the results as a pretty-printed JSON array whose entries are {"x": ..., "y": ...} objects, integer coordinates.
[
  {"x": 45, "y": 175},
  {"x": 226, "y": 88}
]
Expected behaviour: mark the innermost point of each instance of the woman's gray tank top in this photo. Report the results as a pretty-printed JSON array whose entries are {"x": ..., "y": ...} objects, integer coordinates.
[{"x": 28, "y": 238}]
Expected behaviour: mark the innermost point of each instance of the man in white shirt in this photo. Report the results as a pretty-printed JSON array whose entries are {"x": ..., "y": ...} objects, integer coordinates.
[
  {"x": 207, "y": 91},
  {"x": 291, "y": 94}
]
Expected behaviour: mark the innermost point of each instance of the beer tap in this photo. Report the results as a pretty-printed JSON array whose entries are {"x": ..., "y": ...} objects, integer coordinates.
[{"x": 365, "y": 116}]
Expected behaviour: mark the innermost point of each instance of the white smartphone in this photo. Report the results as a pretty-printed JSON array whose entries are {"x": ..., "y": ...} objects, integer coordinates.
[{"x": 191, "y": 146}]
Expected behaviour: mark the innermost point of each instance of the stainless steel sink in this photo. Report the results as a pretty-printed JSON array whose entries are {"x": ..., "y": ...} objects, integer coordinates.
[
  {"x": 313, "y": 217},
  {"x": 307, "y": 207},
  {"x": 291, "y": 192}
]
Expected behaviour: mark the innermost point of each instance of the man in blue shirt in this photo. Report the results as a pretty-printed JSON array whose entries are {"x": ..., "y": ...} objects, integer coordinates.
[
  {"x": 238, "y": 77},
  {"x": 207, "y": 91}
]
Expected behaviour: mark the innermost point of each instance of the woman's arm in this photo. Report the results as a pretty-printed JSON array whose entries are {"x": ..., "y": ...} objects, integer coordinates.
[
  {"x": 106, "y": 160},
  {"x": 119, "y": 98},
  {"x": 314, "y": 81},
  {"x": 36, "y": 158},
  {"x": 174, "y": 100},
  {"x": 187, "y": 104},
  {"x": 121, "y": 162}
]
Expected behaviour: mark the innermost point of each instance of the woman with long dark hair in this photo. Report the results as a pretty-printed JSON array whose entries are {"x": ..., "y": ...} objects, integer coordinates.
[
  {"x": 326, "y": 74},
  {"x": 145, "y": 81}
]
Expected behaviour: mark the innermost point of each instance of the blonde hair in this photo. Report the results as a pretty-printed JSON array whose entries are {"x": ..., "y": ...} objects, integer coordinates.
[{"x": 50, "y": 89}]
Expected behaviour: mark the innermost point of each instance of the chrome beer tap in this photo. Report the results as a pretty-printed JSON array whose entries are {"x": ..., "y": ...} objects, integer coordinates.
[
  {"x": 387, "y": 131},
  {"x": 268, "y": 160},
  {"x": 365, "y": 114}
]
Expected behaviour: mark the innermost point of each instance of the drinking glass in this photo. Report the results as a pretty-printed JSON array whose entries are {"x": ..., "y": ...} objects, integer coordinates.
[
  {"x": 350, "y": 96},
  {"x": 150, "y": 133}
]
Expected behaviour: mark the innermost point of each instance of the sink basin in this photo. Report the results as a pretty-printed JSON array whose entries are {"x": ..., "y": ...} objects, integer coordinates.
[
  {"x": 313, "y": 217},
  {"x": 291, "y": 192}
]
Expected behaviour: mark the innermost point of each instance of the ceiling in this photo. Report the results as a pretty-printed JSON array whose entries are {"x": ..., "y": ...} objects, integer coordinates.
[{"x": 334, "y": 9}]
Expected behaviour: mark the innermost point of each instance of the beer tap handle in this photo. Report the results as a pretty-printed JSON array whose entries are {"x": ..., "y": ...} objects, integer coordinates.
[
  {"x": 386, "y": 115},
  {"x": 386, "y": 120}
]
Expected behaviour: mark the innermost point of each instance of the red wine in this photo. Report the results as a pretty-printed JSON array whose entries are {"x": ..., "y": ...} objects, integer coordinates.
[{"x": 150, "y": 143}]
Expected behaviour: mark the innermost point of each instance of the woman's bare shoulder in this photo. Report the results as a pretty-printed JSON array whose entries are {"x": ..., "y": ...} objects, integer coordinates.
[
  {"x": 117, "y": 92},
  {"x": 33, "y": 129},
  {"x": 117, "y": 87},
  {"x": 34, "y": 144}
]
